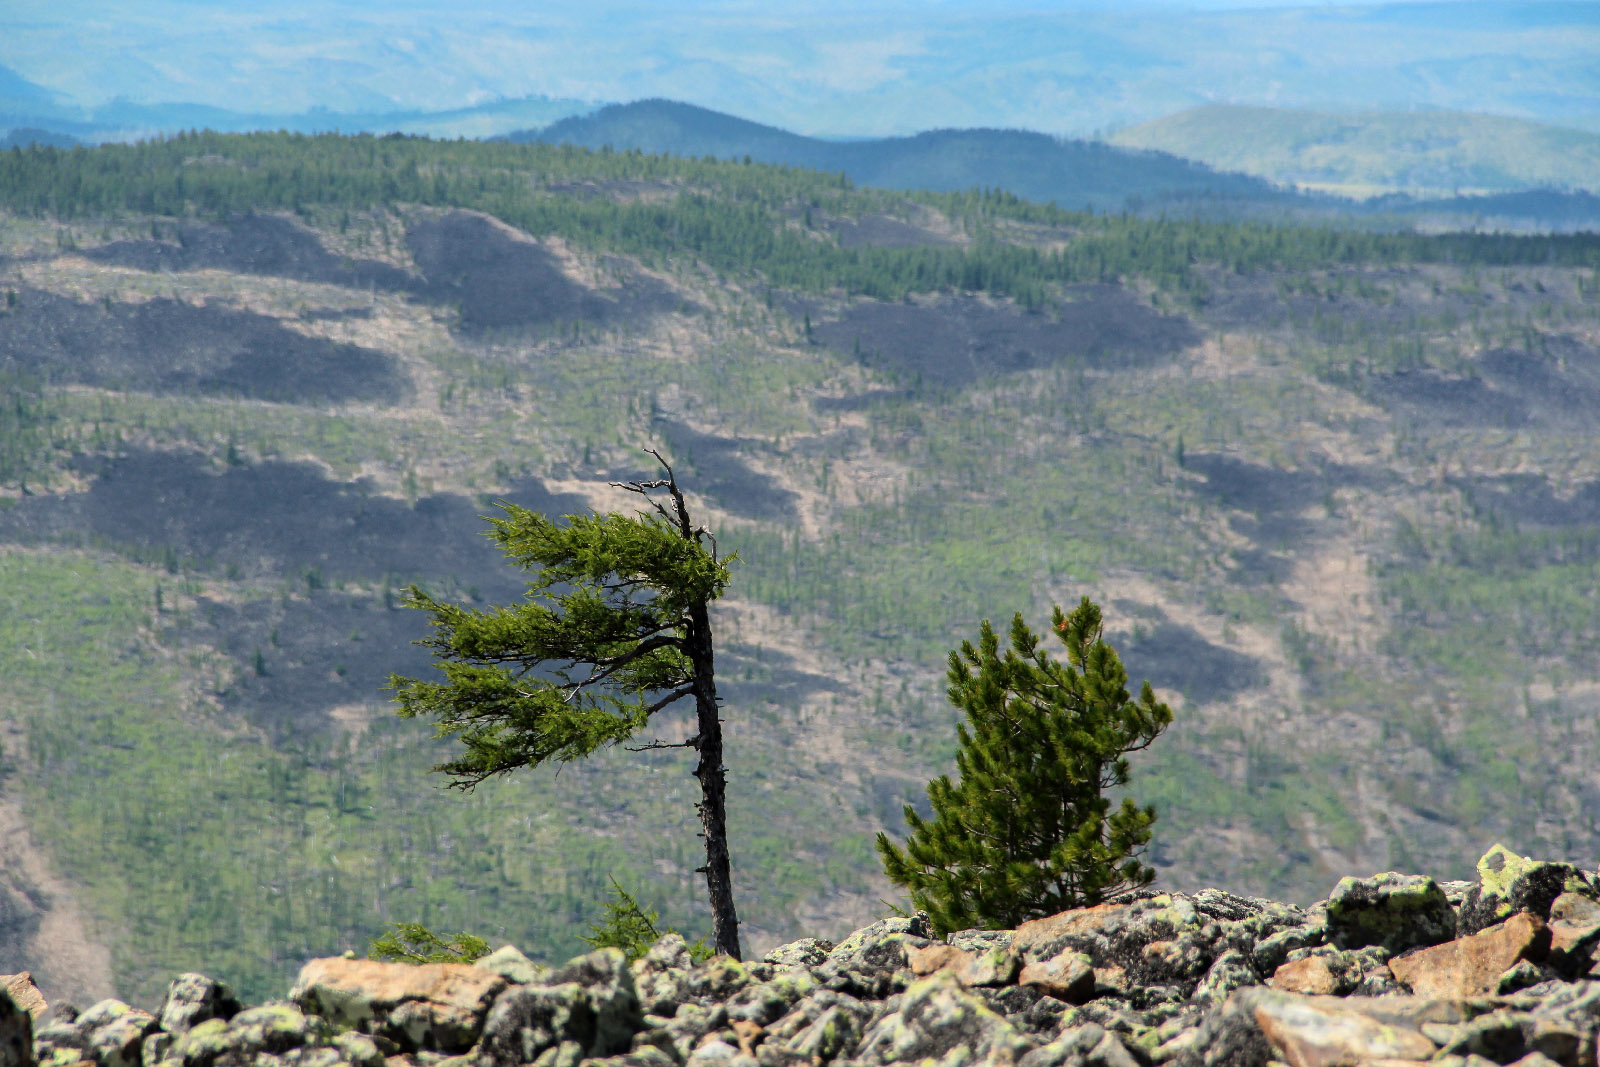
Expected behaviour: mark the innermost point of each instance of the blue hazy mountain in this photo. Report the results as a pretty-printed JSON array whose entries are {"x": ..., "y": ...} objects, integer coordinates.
[{"x": 1035, "y": 166}]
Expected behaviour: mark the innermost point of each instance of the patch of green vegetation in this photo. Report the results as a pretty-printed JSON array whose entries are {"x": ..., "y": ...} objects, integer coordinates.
[{"x": 1498, "y": 604}]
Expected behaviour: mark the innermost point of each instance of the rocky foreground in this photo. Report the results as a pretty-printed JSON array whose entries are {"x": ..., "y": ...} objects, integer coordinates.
[{"x": 1390, "y": 970}]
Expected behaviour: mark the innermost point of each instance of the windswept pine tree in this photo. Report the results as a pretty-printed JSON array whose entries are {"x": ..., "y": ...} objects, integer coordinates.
[
  {"x": 1027, "y": 830},
  {"x": 615, "y": 629}
]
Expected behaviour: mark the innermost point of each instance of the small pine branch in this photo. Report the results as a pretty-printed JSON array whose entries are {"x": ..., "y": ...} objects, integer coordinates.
[
  {"x": 630, "y": 926},
  {"x": 415, "y": 943}
]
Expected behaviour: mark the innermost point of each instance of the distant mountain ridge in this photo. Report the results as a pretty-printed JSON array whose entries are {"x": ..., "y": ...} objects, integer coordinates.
[
  {"x": 1035, "y": 166},
  {"x": 46, "y": 116},
  {"x": 1364, "y": 153}
]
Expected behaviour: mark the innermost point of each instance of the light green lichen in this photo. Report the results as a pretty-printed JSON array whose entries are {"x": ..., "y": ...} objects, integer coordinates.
[{"x": 1500, "y": 868}]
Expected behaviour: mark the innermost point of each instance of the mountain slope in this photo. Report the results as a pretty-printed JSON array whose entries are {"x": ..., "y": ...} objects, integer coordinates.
[
  {"x": 1337, "y": 493},
  {"x": 1030, "y": 165},
  {"x": 1425, "y": 152}
]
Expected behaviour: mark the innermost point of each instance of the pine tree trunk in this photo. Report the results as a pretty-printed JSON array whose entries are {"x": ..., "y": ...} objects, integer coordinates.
[{"x": 713, "y": 809}]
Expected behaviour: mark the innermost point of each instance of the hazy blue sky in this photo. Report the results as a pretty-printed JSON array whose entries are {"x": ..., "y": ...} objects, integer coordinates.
[{"x": 833, "y": 67}]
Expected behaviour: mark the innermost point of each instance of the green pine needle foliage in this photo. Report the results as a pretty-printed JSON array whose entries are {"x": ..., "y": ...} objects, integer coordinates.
[
  {"x": 630, "y": 926},
  {"x": 1026, "y": 830},
  {"x": 583, "y": 661},
  {"x": 415, "y": 943}
]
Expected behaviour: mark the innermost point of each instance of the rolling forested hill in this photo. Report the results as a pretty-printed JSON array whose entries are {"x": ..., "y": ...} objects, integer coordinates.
[
  {"x": 1034, "y": 166},
  {"x": 1336, "y": 491},
  {"x": 1420, "y": 152}
]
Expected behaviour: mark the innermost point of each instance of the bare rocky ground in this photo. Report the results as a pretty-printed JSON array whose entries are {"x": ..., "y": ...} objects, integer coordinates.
[{"x": 1391, "y": 970}]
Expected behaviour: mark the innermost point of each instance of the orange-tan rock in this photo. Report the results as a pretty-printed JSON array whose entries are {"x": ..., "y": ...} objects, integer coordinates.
[
  {"x": 1311, "y": 975},
  {"x": 992, "y": 968},
  {"x": 1066, "y": 977},
  {"x": 25, "y": 994},
  {"x": 1320, "y": 1034},
  {"x": 1472, "y": 966},
  {"x": 448, "y": 1000}
]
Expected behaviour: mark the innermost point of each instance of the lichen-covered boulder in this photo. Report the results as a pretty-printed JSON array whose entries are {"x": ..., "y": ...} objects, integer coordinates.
[
  {"x": 806, "y": 952},
  {"x": 1089, "y": 1045},
  {"x": 434, "y": 1006},
  {"x": 16, "y": 1033},
  {"x": 659, "y": 975},
  {"x": 822, "y": 1026},
  {"x": 873, "y": 956},
  {"x": 1391, "y": 910},
  {"x": 938, "y": 1022},
  {"x": 720, "y": 978},
  {"x": 1307, "y": 1030},
  {"x": 607, "y": 983},
  {"x": 1231, "y": 970},
  {"x": 528, "y": 1021},
  {"x": 193, "y": 998},
  {"x": 980, "y": 940},
  {"x": 109, "y": 1034},
  {"x": 763, "y": 1003},
  {"x": 830, "y": 1035},
  {"x": 268, "y": 1030},
  {"x": 996, "y": 966},
  {"x": 509, "y": 963},
  {"x": 1257, "y": 1026},
  {"x": 1509, "y": 883}
]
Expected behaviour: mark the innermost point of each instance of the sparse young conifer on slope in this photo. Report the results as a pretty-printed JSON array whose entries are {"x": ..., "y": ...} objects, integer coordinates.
[
  {"x": 616, "y": 627},
  {"x": 1026, "y": 830}
]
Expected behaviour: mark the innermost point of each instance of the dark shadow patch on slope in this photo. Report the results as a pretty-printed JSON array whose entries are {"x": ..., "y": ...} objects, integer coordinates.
[
  {"x": 275, "y": 519},
  {"x": 750, "y": 676},
  {"x": 168, "y": 346},
  {"x": 326, "y": 649},
  {"x": 882, "y": 231},
  {"x": 1253, "y": 487},
  {"x": 496, "y": 277},
  {"x": 859, "y": 401},
  {"x": 252, "y": 244},
  {"x": 502, "y": 280},
  {"x": 1530, "y": 500},
  {"x": 1170, "y": 656},
  {"x": 713, "y": 467},
  {"x": 1445, "y": 401},
  {"x": 317, "y": 651},
  {"x": 953, "y": 341},
  {"x": 1556, "y": 384},
  {"x": 1273, "y": 502},
  {"x": 1560, "y": 382}
]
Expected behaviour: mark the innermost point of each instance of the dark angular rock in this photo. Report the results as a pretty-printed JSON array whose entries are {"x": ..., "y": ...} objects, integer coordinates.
[
  {"x": 1273, "y": 951},
  {"x": 935, "y": 1017},
  {"x": 527, "y": 1021},
  {"x": 1231, "y": 970},
  {"x": 191, "y": 999},
  {"x": 1391, "y": 910},
  {"x": 16, "y": 1034},
  {"x": 113, "y": 1032},
  {"x": 1229, "y": 1036},
  {"x": 607, "y": 982}
]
